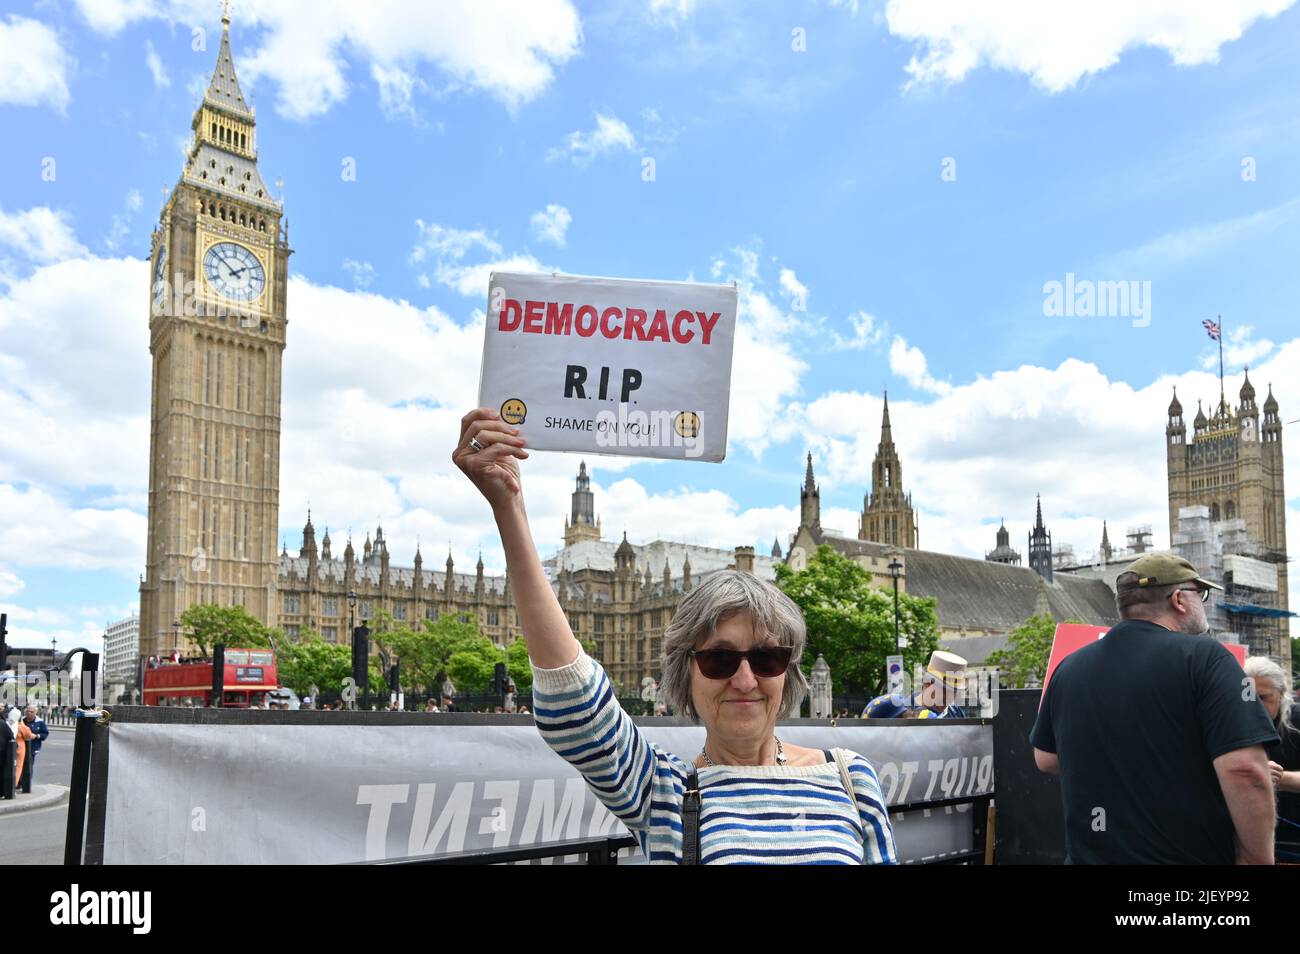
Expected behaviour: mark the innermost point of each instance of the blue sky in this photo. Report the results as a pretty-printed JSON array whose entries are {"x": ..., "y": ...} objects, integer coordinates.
[{"x": 891, "y": 183}]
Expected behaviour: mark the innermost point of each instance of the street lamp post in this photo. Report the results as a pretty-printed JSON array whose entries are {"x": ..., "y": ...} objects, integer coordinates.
[
  {"x": 176, "y": 637},
  {"x": 894, "y": 569},
  {"x": 352, "y": 611}
]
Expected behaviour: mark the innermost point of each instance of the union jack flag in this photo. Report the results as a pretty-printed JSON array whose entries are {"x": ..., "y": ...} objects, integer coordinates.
[{"x": 1211, "y": 328}]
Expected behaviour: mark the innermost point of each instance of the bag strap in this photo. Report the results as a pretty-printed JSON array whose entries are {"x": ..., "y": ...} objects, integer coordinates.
[
  {"x": 691, "y": 820},
  {"x": 845, "y": 778}
]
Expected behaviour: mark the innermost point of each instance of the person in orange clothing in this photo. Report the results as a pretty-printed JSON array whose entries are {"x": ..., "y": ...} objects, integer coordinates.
[{"x": 22, "y": 735}]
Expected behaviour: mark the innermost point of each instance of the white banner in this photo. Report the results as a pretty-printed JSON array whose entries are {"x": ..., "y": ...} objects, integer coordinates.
[
  {"x": 257, "y": 789},
  {"x": 611, "y": 366}
]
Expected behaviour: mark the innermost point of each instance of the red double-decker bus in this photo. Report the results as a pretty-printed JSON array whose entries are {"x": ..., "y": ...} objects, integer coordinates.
[{"x": 250, "y": 675}]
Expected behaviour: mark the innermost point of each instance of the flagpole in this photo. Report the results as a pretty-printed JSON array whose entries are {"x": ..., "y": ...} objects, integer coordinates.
[{"x": 1221, "y": 398}]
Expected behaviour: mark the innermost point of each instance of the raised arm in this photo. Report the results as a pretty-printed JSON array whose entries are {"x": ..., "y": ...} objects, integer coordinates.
[
  {"x": 573, "y": 701},
  {"x": 494, "y": 470}
]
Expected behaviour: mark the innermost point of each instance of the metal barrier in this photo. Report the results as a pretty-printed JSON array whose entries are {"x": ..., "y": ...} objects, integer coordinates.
[{"x": 598, "y": 851}]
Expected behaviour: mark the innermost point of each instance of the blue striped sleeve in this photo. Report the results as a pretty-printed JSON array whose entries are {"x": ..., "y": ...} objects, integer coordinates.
[
  {"x": 580, "y": 719},
  {"x": 877, "y": 828}
]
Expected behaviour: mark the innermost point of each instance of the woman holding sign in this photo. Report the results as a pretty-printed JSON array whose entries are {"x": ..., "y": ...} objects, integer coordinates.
[{"x": 730, "y": 661}]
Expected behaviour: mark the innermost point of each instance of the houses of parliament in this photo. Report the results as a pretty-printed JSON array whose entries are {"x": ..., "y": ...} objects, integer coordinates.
[{"x": 214, "y": 473}]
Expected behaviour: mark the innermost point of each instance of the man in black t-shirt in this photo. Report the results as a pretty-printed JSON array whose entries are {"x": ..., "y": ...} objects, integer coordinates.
[{"x": 1157, "y": 735}]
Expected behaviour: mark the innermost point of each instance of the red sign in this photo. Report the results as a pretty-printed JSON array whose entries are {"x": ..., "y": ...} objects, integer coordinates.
[{"x": 1072, "y": 636}]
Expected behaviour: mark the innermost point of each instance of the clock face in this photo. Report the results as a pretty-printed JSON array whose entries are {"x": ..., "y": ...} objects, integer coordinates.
[
  {"x": 234, "y": 271},
  {"x": 159, "y": 273}
]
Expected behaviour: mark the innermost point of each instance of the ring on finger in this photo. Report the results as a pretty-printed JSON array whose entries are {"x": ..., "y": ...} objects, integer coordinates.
[{"x": 474, "y": 444}]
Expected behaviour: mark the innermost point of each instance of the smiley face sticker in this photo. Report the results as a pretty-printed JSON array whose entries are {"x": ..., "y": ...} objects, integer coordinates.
[
  {"x": 687, "y": 424},
  {"x": 514, "y": 411}
]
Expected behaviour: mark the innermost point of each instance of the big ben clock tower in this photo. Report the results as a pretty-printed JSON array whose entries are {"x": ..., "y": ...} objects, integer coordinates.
[{"x": 216, "y": 333}]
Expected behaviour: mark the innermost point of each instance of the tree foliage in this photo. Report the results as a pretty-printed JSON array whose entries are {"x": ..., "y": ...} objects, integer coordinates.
[
  {"x": 311, "y": 661},
  {"x": 207, "y": 624},
  {"x": 851, "y": 622},
  {"x": 1028, "y": 648}
]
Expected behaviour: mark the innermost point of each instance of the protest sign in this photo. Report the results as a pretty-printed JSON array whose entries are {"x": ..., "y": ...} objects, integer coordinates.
[{"x": 611, "y": 366}]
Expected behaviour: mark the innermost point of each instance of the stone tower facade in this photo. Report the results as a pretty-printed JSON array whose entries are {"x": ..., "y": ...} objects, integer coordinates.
[
  {"x": 1040, "y": 546},
  {"x": 582, "y": 524},
  {"x": 887, "y": 515},
  {"x": 1232, "y": 464},
  {"x": 217, "y": 325}
]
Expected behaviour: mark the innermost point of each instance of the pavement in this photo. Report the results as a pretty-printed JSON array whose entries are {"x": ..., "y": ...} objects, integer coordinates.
[{"x": 42, "y": 796}]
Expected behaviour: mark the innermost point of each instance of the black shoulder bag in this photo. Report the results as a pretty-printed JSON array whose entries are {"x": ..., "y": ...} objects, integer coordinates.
[{"x": 691, "y": 820}]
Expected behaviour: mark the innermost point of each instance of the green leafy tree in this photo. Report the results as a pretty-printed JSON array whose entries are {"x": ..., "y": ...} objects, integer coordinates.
[
  {"x": 851, "y": 622},
  {"x": 311, "y": 661},
  {"x": 1028, "y": 648},
  {"x": 517, "y": 664},
  {"x": 207, "y": 624}
]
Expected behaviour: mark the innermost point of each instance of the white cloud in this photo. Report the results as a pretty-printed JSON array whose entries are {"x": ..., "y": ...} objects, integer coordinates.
[
  {"x": 509, "y": 51},
  {"x": 396, "y": 91},
  {"x": 866, "y": 333},
  {"x": 551, "y": 224},
  {"x": 37, "y": 528},
  {"x": 452, "y": 252},
  {"x": 120, "y": 227},
  {"x": 155, "y": 64},
  {"x": 363, "y": 273},
  {"x": 983, "y": 450},
  {"x": 672, "y": 12},
  {"x": 1201, "y": 242},
  {"x": 1240, "y": 348},
  {"x": 1058, "y": 44},
  {"x": 610, "y": 135},
  {"x": 10, "y": 583},
  {"x": 909, "y": 363},
  {"x": 39, "y": 234},
  {"x": 34, "y": 67},
  {"x": 795, "y": 290}
]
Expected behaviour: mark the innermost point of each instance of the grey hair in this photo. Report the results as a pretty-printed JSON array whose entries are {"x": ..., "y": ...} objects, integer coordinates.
[
  {"x": 721, "y": 595},
  {"x": 1261, "y": 667}
]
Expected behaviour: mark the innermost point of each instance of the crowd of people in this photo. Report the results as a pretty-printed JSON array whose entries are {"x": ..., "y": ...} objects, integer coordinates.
[{"x": 21, "y": 733}]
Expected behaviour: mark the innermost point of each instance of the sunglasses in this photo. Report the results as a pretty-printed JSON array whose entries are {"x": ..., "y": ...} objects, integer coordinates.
[
  {"x": 765, "y": 661},
  {"x": 1205, "y": 593}
]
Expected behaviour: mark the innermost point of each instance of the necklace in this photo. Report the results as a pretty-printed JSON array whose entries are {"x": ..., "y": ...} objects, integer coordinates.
[{"x": 780, "y": 755}]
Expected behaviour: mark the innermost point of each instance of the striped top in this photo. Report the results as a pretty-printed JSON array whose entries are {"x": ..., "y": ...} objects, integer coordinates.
[{"x": 749, "y": 814}]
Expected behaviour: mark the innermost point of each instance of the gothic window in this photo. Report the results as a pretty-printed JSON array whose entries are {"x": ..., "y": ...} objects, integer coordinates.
[
  {"x": 207, "y": 376},
  {"x": 239, "y": 383},
  {"x": 1214, "y": 512},
  {"x": 203, "y": 533},
  {"x": 248, "y": 454},
  {"x": 364, "y": 610},
  {"x": 887, "y": 475},
  {"x": 330, "y": 606},
  {"x": 205, "y": 450},
  {"x": 329, "y": 634},
  {"x": 399, "y": 611},
  {"x": 1230, "y": 510},
  {"x": 292, "y": 630},
  {"x": 600, "y": 624},
  {"x": 431, "y": 613},
  {"x": 493, "y": 618},
  {"x": 221, "y": 375},
  {"x": 216, "y": 454},
  {"x": 216, "y": 527},
  {"x": 292, "y": 603},
  {"x": 245, "y": 528}
]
